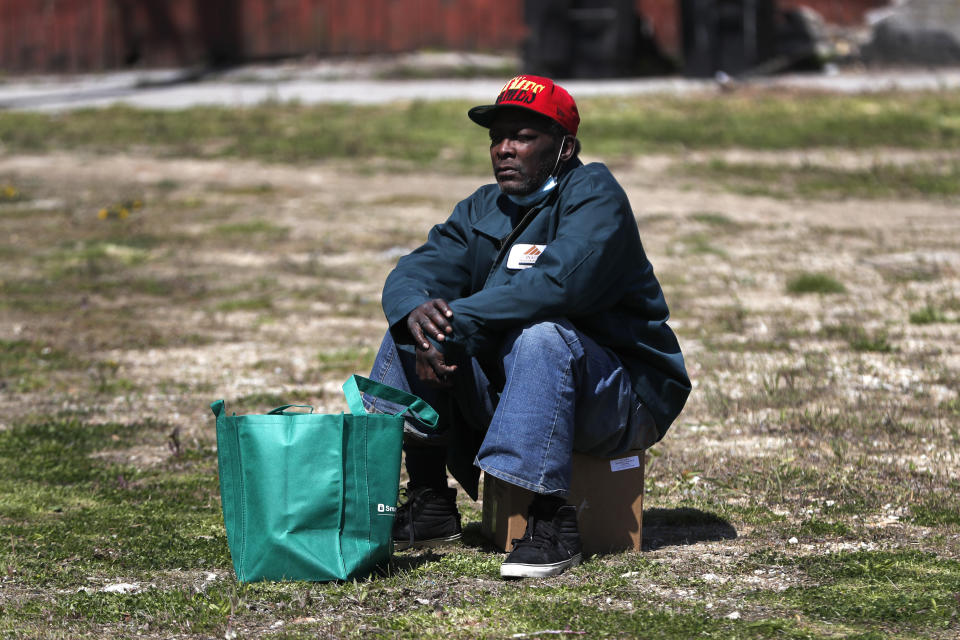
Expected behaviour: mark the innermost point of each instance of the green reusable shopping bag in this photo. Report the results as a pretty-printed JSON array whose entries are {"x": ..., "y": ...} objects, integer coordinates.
[{"x": 311, "y": 496}]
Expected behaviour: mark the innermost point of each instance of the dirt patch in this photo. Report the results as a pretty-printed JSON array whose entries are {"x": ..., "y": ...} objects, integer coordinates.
[
  {"x": 819, "y": 423},
  {"x": 320, "y": 287}
]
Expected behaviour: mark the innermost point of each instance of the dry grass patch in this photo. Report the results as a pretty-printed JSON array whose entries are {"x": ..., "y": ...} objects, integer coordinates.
[{"x": 807, "y": 491}]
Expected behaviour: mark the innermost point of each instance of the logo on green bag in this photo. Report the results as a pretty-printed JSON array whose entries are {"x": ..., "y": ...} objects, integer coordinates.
[{"x": 386, "y": 509}]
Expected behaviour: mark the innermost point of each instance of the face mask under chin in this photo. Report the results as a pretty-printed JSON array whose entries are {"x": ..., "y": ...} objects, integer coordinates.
[{"x": 537, "y": 196}]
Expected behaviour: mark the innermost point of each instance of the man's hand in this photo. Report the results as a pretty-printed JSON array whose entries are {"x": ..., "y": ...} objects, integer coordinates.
[
  {"x": 432, "y": 318},
  {"x": 433, "y": 369}
]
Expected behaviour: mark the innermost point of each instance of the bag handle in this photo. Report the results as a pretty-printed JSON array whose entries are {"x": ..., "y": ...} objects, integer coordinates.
[
  {"x": 218, "y": 407},
  {"x": 282, "y": 411},
  {"x": 413, "y": 406}
]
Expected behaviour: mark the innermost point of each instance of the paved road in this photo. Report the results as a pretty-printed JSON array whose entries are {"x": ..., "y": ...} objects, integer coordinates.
[{"x": 179, "y": 89}]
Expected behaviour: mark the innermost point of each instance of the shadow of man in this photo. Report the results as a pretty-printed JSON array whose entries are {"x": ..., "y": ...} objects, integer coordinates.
[{"x": 671, "y": 527}]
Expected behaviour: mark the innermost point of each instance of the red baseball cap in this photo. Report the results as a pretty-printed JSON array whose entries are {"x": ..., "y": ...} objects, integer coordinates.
[{"x": 536, "y": 94}]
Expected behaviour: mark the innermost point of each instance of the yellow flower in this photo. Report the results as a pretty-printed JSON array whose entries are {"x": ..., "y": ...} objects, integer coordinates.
[
  {"x": 124, "y": 212},
  {"x": 102, "y": 214}
]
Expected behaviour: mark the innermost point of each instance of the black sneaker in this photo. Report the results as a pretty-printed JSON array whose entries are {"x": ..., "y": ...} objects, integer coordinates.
[
  {"x": 550, "y": 545},
  {"x": 428, "y": 518}
]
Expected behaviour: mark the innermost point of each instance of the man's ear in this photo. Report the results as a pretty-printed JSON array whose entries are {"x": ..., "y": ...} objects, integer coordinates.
[{"x": 568, "y": 148}]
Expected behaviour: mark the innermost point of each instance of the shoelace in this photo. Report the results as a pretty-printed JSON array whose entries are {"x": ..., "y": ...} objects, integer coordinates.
[
  {"x": 540, "y": 534},
  {"x": 405, "y": 511}
]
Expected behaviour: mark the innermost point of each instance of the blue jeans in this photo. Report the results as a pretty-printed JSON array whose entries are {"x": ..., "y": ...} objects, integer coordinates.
[{"x": 550, "y": 391}]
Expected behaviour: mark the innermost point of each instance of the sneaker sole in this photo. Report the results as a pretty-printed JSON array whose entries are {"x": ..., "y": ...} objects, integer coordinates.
[
  {"x": 401, "y": 545},
  {"x": 518, "y": 570}
]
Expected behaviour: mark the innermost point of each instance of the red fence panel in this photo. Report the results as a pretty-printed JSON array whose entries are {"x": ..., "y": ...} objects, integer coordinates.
[
  {"x": 54, "y": 35},
  {"x": 78, "y": 35},
  {"x": 83, "y": 35}
]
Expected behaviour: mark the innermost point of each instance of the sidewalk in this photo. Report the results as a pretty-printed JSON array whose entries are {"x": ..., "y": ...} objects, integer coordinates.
[{"x": 311, "y": 84}]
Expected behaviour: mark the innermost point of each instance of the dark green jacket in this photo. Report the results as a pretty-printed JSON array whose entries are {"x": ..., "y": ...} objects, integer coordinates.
[{"x": 593, "y": 272}]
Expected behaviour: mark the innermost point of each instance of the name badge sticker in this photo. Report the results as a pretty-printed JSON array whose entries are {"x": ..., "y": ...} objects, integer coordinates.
[
  {"x": 622, "y": 464},
  {"x": 524, "y": 256}
]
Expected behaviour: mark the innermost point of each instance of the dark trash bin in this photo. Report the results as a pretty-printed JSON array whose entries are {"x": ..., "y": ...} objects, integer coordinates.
[
  {"x": 732, "y": 36},
  {"x": 589, "y": 39}
]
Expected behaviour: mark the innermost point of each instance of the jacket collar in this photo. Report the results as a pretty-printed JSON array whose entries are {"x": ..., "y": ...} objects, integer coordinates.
[{"x": 497, "y": 221}]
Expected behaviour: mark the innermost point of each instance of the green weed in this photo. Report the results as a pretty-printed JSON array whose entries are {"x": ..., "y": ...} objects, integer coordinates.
[
  {"x": 859, "y": 338},
  {"x": 32, "y": 295},
  {"x": 917, "y": 272},
  {"x": 29, "y": 366},
  {"x": 407, "y": 200},
  {"x": 899, "y": 587},
  {"x": 748, "y": 346},
  {"x": 717, "y": 220},
  {"x": 939, "y": 507},
  {"x": 731, "y": 319},
  {"x": 153, "y": 609},
  {"x": 809, "y": 181},
  {"x": 258, "y": 303},
  {"x": 814, "y": 283},
  {"x": 263, "y": 402},
  {"x": 417, "y": 132},
  {"x": 93, "y": 259},
  {"x": 926, "y": 515},
  {"x": 67, "y": 515},
  {"x": 767, "y": 120},
  {"x": 817, "y": 528},
  {"x": 928, "y": 315},
  {"x": 423, "y": 132},
  {"x": 261, "y": 189},
  {"x": 167, "y": 184},
  {"x": 700, "y": 244},
  {"x": 348, "y": 360},
  {"x": 951, "y": 407},
  {"x": 106, "y": 378},
  {"x": 257, "y": 228}
]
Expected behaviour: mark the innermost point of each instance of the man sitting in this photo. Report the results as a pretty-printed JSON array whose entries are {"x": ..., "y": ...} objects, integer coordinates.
[{"x": 532, "y": 321}]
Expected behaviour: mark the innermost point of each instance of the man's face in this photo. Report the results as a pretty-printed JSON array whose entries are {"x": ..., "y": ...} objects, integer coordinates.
[{"x": 522, "y": 150}]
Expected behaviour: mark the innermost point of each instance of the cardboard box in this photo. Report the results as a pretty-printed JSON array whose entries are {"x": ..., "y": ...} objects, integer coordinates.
[{"x": 608, "y": 495}]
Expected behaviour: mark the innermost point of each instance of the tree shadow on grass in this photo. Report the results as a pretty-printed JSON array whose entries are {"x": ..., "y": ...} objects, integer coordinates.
[{"x": 672, "y": 527}]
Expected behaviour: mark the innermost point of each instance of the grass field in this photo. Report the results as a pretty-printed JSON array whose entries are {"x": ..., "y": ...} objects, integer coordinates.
[{"x": 152, "y": 262}]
